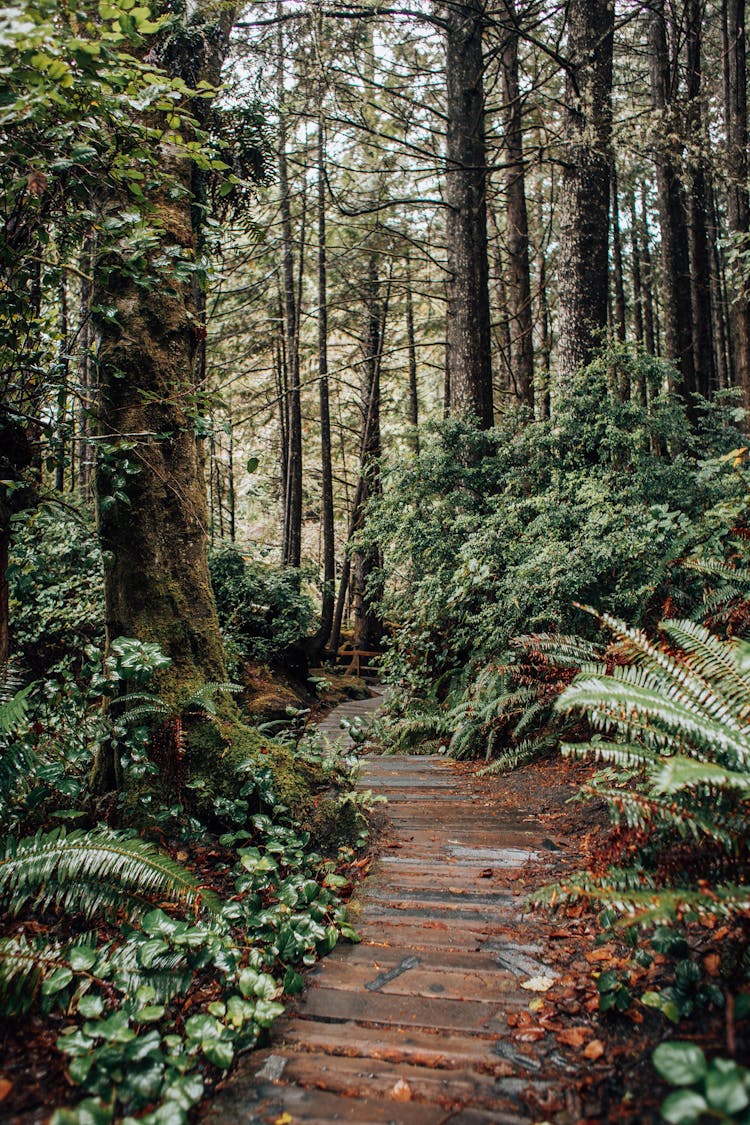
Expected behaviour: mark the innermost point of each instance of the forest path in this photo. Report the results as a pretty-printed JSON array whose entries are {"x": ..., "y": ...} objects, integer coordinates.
[{"x": 409, "y": 1027}]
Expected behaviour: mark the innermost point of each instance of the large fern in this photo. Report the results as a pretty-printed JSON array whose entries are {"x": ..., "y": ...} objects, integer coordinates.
[
  {"x": 17, "y": 759},
  {"x": 508, "y": 708},
  {"x": 677, "y": 722},
  {"x": 88, "y": 872}
]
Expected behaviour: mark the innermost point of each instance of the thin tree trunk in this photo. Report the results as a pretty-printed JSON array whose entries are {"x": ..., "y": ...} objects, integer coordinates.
[
  {"x": 718, "y": 305},
  {"x": 503, "y": 384},
  {"x": 619, "y": 277},
  {"x": 62, "y": 396},
  {"x": 676, "y": 304},
  {"x": 584, "y": 203},
  {"x": 292, "y": 544},
  {"x": 635, "y": 251},
  {"x": 700, "y": 270},
  {"x": 231, "y": 492},
  {"x": 738, "y": 199},
  {"x": 86, "y": 377},
  {"x": 649, "y": 338},
  {"x": 366, "y": 564},
  {"x": 411, "y": 345},
  {"x": 320, "y": 640},
  {"x": 519, "y": 275},
  {"x": 468, "y": 330}
]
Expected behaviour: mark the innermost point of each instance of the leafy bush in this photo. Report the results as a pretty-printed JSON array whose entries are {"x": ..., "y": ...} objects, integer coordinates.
[
  {"x": 676, "y": 744},
  {"x": 56, "y": 588},
  {"x": 718, "y": 1090},
  {"x": 489, "y": 535},
  {"x": 261, "y": 607}
]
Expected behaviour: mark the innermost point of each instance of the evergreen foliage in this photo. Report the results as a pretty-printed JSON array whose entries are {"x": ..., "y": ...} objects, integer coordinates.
[
  {"x": 492, "y": 535},
  {"x": 675, "y": 743}
]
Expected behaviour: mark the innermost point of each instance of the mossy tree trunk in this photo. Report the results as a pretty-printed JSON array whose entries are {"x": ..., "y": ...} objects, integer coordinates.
[{"x": 150, "y": 489}]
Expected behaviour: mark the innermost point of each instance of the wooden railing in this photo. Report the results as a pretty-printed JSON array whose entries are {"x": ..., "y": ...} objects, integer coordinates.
[{"x": 354, "y": 659}]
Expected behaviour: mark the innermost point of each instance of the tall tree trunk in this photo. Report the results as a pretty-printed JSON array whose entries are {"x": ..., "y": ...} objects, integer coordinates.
[
  {"x": 617, "y": 270},
  {"x": 700, "y": 270},
  {"x": 320, "y": 639},
  {"x": 584, "y": 202},
  {"x": 738, "y": 199},
  {"x": 63, "y": 391},
  {"x": 519, "y": 275},
  {"x": 635, "y": 252},
  {"x": 366, "y": 563},
  {"x": 231, "y": 491},
  {"x": 86, "y": 370},
  {"x": 468, "y": 332},
  {"x": 503, "y": 386},
  {"x": 292, "y": 543},
  {"x": 676, "y": 304},
  {"x": 157, "y": 586},
  {"x": 649, "y": 336},
  {"x": 411, "y": 345},
  {"x": 718, "y": 306}
]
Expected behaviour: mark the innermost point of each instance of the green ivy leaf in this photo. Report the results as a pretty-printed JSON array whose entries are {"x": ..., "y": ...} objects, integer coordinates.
[
  {"x": 56, "y": 981},
  {"x": 218, "y": 1051},
  {"x": 680, "y": 1064},
  {"x": 683, "y": 1107},
  {"x": 727, "y": 1086}
]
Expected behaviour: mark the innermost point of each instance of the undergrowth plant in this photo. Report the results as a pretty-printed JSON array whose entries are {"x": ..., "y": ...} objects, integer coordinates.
[
  {"x": 675, "y": 742},
  {"x": 493, "y": 535}
]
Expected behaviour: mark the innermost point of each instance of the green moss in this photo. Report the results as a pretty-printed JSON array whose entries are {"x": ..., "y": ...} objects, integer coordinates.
[
  {"x": 332, "y": 825},
  {"x": 214, "y": 753}
]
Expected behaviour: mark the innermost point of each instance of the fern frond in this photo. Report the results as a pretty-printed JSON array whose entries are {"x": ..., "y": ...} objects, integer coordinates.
[
  {"x": 514, "y": 756},
  {"x": 646, "y": 810},
  {"x": 13, "y": 710},
  {"x": 673, "y": 676},
  {"x": 713, "y": 568},
  {"x": 564, "y": 651},
  {"x": 73, "y": 869},
  {"x": 23, "y": 966},
  {"x": 714, "y": 660},
  {"x": 203, "y": 699},
  {"x": 622, "y": 703},
  {"x": 647, "y": 906}
]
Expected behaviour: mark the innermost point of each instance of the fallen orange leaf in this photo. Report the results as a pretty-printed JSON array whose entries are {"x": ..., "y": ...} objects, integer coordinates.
[
  {"x": 594, "y": 1051},
  {"x": 573, "y": 1036},
  {"x": 5, "y": 1088},
  {"x": 401, "y": 1092}
]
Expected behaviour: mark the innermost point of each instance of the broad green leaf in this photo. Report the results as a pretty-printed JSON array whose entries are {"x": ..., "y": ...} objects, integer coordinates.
[{"x": 680, "y": 1064}]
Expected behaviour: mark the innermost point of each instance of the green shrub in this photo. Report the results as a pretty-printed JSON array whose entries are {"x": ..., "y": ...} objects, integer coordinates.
[
  {"x": 56, "y": 588},
  {"x": 491, "y": 535},
  {"x": 261, "y": 608}
]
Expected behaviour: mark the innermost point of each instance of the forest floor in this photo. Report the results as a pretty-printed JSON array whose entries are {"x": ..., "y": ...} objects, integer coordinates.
[{"x": 459, "y": 1006}]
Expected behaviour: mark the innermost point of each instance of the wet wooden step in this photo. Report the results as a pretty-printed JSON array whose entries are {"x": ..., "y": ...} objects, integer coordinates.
[{"x": 409, "y": 1027}]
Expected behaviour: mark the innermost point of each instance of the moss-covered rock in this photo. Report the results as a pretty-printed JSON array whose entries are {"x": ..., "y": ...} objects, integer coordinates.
[{"x": 214, "y": 752}]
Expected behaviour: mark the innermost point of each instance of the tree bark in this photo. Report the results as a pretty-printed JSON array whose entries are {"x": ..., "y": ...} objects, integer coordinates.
[
  {"x": 584, "y": 203},
  {"x": 366, "y": 563},
  {"x": 675, "y": 258},
  {"x": 635, "y": 251},
  {"x": 468, "y": 332},
  {"x": 411, "y": 345},
  {"x": 150, "y": 490},
  {"x": 617, "y": 270},
  {"x": 649, "y": 336},
  {"x": 700, "y": 270},
  {"x": 738, "y": 199},
  {"x": 292, "y": 536},
  {"x": 321, "y": 637},
  {"x": 519, "y": 275}
]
